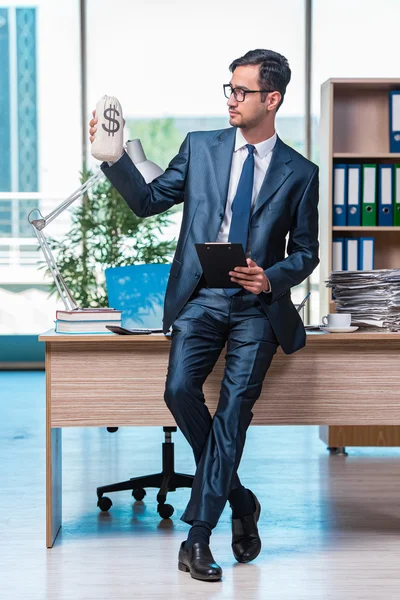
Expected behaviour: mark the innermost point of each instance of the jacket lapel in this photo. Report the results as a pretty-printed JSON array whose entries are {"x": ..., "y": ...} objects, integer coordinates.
[
  {"x": 222, "y": 153},
  {"x": 276, "y": 174}
]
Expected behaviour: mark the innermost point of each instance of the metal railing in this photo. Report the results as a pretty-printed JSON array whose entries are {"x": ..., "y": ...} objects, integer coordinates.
[{"x": 19, "y": 246}]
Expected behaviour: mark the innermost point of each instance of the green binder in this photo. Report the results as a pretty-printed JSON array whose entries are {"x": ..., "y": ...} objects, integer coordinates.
[
  {"x": 368, "y": 213},
  {"x": 396, "y": 194}
]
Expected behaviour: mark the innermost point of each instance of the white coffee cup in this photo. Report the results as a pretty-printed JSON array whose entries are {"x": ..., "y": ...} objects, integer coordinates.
[{"x": 337, "y": 320}]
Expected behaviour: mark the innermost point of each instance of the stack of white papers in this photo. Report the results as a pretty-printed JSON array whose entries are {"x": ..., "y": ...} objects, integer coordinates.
[{"x": 372, "y": 297}]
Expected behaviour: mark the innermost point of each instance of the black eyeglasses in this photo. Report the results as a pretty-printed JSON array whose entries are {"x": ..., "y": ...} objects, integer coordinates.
[{"x": 239, "y": 93}]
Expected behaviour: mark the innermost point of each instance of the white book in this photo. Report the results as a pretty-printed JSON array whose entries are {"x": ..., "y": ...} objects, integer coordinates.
[
  {"x": 89, "y": 314},
  {"x": 84, "y": 326}
]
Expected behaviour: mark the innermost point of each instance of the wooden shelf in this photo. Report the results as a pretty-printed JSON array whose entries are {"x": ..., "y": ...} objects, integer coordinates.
[
  {"x": 371, "y": 228},
  {"x": 354, "y": 128},
  {"x": 363, "y": 155},
  {"x": 366, "y": 83}
]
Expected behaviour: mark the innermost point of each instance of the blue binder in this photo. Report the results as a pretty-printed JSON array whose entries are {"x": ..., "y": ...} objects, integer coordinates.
[
  {"x": 339, "y": 195},
  {"x": 351, "y": 254},
  {"x": 385, "y": 195},
  {"x": 366, "y": 256},
  {"x": 338, "y": 254},
  {"x": 394, "y": 121},
  {"x": 354, "y": 195}
]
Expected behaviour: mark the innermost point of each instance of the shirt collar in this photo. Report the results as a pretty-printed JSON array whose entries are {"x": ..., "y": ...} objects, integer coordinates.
[{"x": 263, "y": 148}]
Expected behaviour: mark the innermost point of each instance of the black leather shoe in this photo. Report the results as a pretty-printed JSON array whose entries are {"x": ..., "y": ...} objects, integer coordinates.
[
  {"x": 246, "y": 543},
  {"x": 199, "y": 562}
]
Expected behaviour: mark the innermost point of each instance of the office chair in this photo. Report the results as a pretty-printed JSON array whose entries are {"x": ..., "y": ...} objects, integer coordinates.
[{"x": 139, "y": 290}]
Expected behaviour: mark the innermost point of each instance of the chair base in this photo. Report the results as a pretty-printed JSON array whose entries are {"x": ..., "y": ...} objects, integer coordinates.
[{"x": 166, "y": 481}]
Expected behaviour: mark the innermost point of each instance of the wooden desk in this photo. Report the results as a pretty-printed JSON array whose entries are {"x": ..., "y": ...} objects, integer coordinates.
[{"x": 109, "y": 380}]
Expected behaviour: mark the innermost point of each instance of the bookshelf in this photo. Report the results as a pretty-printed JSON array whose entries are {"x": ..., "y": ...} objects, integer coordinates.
[{"x": 354, "y": 128}]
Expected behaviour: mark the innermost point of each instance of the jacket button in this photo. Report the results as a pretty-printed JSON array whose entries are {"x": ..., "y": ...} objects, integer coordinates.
[
  {"x": 221, "y": 215},
  {"x": 197, "y": 275}
]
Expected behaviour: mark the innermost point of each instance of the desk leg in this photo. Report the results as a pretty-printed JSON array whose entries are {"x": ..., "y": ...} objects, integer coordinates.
[
  {"x": 53, "y": 485},
  {"x": 53, "y": 465}
]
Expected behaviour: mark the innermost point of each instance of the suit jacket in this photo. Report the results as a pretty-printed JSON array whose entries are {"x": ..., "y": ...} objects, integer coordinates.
[{"x": 199, "y": 177}]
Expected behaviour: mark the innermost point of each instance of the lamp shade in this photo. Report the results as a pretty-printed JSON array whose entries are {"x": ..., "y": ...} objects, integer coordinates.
[{"x": 148, "y": 169}]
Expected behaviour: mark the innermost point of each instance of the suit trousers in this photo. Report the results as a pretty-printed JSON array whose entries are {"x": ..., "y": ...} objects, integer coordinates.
[{"x": 208, "y": 321}]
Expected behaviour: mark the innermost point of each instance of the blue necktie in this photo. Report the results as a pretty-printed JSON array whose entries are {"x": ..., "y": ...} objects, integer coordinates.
[{"x": 241, "y": 208}]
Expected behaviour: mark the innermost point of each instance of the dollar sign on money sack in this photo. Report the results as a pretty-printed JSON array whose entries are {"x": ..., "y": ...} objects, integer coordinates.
[
  {"x": 113, "y": 126},
  {"x": 108, "y": 144}
]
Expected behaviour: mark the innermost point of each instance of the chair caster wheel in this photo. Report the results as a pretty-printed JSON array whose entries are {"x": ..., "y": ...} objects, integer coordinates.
[
  {"x": 104, "y": 503},
  {"x": 112, "y": 429},
  {"x": 165, "y": 510},
  {"x": 139, "y": 493}
]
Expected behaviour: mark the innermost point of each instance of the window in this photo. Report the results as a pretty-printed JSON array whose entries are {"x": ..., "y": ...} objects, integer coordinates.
[{"x": 40, "y": 147}]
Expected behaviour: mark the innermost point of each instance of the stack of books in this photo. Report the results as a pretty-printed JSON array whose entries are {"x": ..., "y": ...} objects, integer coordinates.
[
  {"x": 87, "y": 320},
  {"x": 372, "y": 297}
]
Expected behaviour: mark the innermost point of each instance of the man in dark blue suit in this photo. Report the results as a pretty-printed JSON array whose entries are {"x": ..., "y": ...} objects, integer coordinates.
[{"x": 240, "y": 184}]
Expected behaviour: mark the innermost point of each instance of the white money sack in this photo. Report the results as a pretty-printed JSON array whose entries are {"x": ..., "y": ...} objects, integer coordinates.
[{"x": 109, "y": 137}]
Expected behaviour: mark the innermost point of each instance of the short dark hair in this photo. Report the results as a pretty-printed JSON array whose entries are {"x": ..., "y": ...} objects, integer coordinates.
[{"x": 274, "y": 70}]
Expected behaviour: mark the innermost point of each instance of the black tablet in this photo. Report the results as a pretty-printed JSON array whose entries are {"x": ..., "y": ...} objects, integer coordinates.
[
  {"x": 217, "y": 259},
  {"x": 134, "y": 331}
]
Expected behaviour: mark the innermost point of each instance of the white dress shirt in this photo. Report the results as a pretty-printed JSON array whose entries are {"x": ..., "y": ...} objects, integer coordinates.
[{"x": 262, "y": 158}]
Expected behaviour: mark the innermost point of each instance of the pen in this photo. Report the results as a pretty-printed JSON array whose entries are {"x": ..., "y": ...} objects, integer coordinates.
[{"x": 303, "y": 302}]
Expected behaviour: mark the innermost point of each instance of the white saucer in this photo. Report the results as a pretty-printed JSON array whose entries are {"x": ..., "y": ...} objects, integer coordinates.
[{"x": 338, "y": 329}]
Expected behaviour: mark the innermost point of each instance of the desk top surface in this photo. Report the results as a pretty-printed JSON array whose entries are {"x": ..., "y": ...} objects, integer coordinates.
[
  {"x": 52, "y": 336},
  {"x": 159, "y": 338}
]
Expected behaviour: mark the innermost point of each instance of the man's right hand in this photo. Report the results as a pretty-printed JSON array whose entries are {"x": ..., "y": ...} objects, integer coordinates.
[{"x": 92, "y": 126}]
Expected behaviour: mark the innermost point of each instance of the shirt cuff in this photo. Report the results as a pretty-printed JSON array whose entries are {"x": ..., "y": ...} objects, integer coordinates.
[{"x": 111, "y": 163}]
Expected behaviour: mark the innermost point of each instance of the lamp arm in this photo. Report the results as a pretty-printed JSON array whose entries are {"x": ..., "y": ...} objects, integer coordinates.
[
  {"x": 44, "y": 221},
  {"x": 39, "y": 224},
  {"x": 62, "y": 288}
]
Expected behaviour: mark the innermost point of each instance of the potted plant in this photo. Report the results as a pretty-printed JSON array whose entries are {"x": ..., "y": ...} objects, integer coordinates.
[{"x": 105, "y": 233}]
